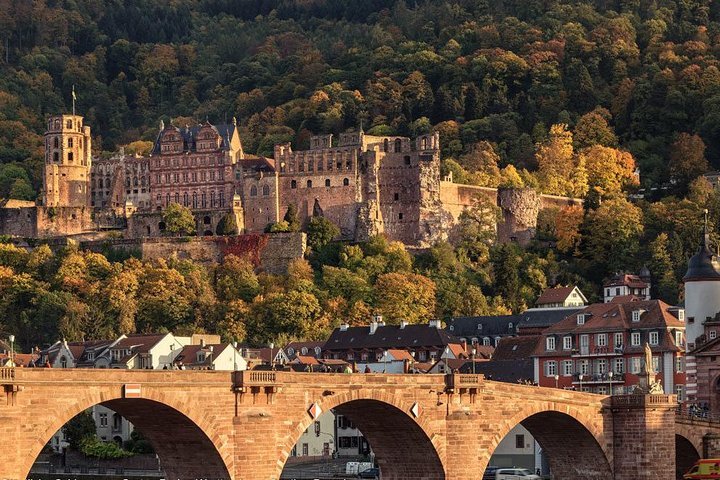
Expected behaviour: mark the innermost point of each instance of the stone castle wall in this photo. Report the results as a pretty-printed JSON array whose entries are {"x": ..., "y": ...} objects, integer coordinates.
[{"x": 45, "y": 222}]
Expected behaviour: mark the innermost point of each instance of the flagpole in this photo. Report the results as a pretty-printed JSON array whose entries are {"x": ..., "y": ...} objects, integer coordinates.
[{"x": 73, "y": 99}]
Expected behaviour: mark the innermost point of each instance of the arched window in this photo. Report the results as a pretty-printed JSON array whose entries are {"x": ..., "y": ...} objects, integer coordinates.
[
  {"x": 161, "y": 226},
  {"x": 346, "y": 182},
  {"x": 327, "y": 182},
  {"x": 293, "y": 184},
  {"x": 186, "y": 199},
  {"x": 424, "y": 143},
  {"x": 195, "y": 200},
  {"x": 486, "y": 341},
  {"x": 253, "y": 191},
  {"x": 309, "y": 184},
  {"x": 177, "y": 198},
  {"x": 135, "y": 182},
  {"x": 127, "y": 181},
  {"x": 386, "y": 145},
  {"x": 63, "y": 362},
  {"x": 398, "y": 145},
  {"x": 266, "y": 190}
]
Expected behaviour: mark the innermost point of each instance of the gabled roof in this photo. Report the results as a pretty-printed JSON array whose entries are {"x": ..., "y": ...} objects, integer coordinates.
[
  {"x": 558, "y": 295},
  {"x": 140, "y": 342},
  {"x": 189, "y": 136},
  {"x": 188, "y": 354},
  {"x": 257, "y": 164},
  {"x": 626, "y": 279},
  {"x": 398, "y": 354},
  {"x": 388, "y": 336}
]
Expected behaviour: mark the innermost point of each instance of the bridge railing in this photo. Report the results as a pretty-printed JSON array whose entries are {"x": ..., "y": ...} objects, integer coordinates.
[
  {"x": 7, "y": 373},
  {"x": 257, "y": 378},
  {"x": 695, "y": 413},
  {"x": 463, "y": 380},
  {"x": 642, "y": 400}
]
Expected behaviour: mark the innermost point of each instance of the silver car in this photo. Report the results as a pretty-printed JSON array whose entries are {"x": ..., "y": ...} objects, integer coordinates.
[{"x": 515, "y": 474}]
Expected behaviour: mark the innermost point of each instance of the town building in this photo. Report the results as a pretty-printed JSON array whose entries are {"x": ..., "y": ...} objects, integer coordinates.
[
  {"x": 318, "y": 440},
  {"x": 624, "y": 284},
  {"x": 58, "y": 355},
  {"x": 312, "y": 349},
  {"x": 202, "y": 356},
  {"x": 362, "y": 345},
  {"x": 559, "y": 297},
  {"x": 600, "y": 348}
]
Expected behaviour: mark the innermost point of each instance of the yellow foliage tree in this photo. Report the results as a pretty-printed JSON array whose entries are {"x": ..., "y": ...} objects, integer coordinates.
[
  {"x": 609, "y": 170},
  {"x": 567, "y": 228},
  {"x": 555, "y": 160}
]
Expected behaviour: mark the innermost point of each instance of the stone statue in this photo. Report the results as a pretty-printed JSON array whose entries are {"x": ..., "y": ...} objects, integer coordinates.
[
  {"x": 649, "y": 369},
  {"x": 656, "y": 388},
  {"x": 162, "y": 125}
]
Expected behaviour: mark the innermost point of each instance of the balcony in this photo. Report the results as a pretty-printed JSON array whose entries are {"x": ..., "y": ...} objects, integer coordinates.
[
  {"x": 598, "y": 352},
  {"x": 599, "y": 378}
]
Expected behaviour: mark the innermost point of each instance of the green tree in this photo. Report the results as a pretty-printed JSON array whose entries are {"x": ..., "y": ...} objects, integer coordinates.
[
  {"x": 80, "y": 427},
  {"x": 320, "y": 232},
  {"x": 687, "y": 159},
  {"x": 179, "y": 220},
  {"x": 227, "y": 225},
  {"x": 292, "y": 219},
  {"x": 613, "y": 235}
]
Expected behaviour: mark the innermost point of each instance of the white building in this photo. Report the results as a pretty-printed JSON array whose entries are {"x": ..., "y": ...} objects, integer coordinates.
[
  {"x": 318, "y": 440},
  {"x": 628, "y": 284},
  {"x": 218, "y": 356},
  {"x": 518, "y": 449},
  {"x": 57, "y": 355}
]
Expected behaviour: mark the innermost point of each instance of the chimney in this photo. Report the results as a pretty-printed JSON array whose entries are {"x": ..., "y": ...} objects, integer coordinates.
[
  {"x": 202, "y": 343},
  {"x": 434, "y": 323},
  {"x": 344, "y": 327},
  {"x": 373, "y": 327},
  {"x": 403, "y": 324}
]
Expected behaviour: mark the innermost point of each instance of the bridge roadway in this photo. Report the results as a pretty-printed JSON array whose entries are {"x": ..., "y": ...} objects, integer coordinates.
[{"x": 243, "y": 425}]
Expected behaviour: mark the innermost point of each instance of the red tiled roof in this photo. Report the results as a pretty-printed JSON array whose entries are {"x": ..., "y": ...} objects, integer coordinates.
[
  {"x": 398, "y": 354},
  {"x": 306, "y": 360},
  {"x": 633, "y": 281},
  {"x": 555, "y": 295},
  {"x": 188, "y": 354}
]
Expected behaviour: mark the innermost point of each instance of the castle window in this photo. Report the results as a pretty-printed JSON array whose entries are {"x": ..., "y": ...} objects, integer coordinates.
[
  {"x": 407, "y": 159},
  {"x": 206, "y": 220},
  {"x": 195, "y": 200},
  {"x": 396, "y": 196},
  {"x": 386, "y": 145},
  {"x": 348, "y": 164},
  {"x": 56, "y": 157},
  {"x": 177, "y": 198},
  {"x": 161, "y": 226},
  {"x": 69, "y": 124},
  {"x": 70, "y": 157},
  {"x": 301, "y": 168},
  {"x": 70, "y": 143},
  {"x": 56, "y": 143},
  {"x": 266, "y": 190},
  {"x": 186, "y": 199},
  {"x": 311, "y": 166},
  {"x": 203, "y": 200},
  {"x": 400, "y": 216},
  {"x": 293, "y": 184},
  {"x": 309, "y": 184},
  {"x": 222, "y": 199},
  {"x": 167, "y": 199},
  {"x": 327, "y": 182},
  {"x": 212, "y": 199},
  {"x": 346, "y": 182},
  {"x": 398, "y": 145},
  {"x": 253, "y": 191}
]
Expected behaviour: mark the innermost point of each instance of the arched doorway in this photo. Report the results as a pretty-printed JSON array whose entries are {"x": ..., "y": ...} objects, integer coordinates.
[
  {"x": 562, "y": 446},
  {"x": 685, "y": 456},
  {"x": 385, "y": 435},
  {"x": 184, "y": 450}
]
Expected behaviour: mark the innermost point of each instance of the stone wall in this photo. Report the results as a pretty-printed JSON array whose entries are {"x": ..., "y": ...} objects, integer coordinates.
[
  {"x": 270, "y": 252},
  {"x": 45, "y": 222},
  {"x": 151, "y": 225}
]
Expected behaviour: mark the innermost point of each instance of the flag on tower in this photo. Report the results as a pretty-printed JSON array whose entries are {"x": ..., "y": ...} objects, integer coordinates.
[{"x": 74, "y": 97}]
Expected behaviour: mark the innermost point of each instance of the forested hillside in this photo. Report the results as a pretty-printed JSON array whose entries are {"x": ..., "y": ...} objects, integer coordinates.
[{"x": 567, "y": 97}]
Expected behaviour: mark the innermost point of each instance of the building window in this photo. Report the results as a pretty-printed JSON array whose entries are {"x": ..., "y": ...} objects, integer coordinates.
[
  {"x": 346, "y": 182},
  {"x": 619, "y": 365},
  {"x": 601, "y": 366},
  {"x": 56, "y": 157},
  {"x": 327, "y": 182},
  {"x": 407, "y": 159},
  {"x": 306, "y": 450},
  {"x": 636, "y": 315},
  {"x": 486, "y": 341},
  {"x": 680, "y": 364},
  {"x": 550, "y": 368},
  {"x": 712, "y": 334},
  {"x": 103, "y": 419},
  {"x": 619, "y": 340},
  {"x": 681, "y": 315},
  {"x": 519, "y": 441},
  {"x": 635, "y": 363},
  {"x": 679, "y": 341},
  {"x": 680, "y": 392},
  {"x": 253, "y": 191},
  {"x": 293, "y": 184},
  {"x": 70, "y": 156},
  {"x": 581, "y": 319},
  {"x": 309, "y": 184},
  {"x": 550, "y": 343},
  {"x": 396, "y": 197},
  {"x": 567, "y": 368},
  {"x": 656, "y": 364},
  {"x": 601, "y": 340},
  {"x": 635, "y": 339},
  {"x": 653, "y": 338},
  {"x": 584, "y": 367},
  {"x": 567, "y": 343}
]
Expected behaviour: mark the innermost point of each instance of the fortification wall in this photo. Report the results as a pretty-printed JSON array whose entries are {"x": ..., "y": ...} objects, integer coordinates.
[
  {"x": 270, "y": 252},
  {"x": 45, "y": 222},
  {"x": 150, "y": 225}
]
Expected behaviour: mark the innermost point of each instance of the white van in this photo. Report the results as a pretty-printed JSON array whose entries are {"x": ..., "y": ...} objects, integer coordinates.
[{"x": 515, "y": 474}]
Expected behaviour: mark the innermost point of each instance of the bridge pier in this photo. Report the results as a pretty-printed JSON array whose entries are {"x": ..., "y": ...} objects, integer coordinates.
[
  {"x": 711, "y": 445},
  {"x": 643, "y": 436}
]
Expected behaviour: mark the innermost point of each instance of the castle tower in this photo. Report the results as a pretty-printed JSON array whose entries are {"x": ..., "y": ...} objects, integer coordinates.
[
  {"x": 702, "y": 302},
  {"x": 68, "y": 147}
]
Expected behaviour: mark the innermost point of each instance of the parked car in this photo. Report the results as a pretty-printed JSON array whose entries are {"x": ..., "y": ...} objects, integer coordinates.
[
  {"x": 515, "y": 474},
  {"x": 708, "y": 468},
  {"x": 490, "y": 473},
  {"x": 370, "y": 473}
]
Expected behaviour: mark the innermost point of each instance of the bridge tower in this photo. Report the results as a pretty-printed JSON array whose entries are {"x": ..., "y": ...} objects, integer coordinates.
[
  {"x": 68, "y": 148},
  {"x": 702, "y": 302}
]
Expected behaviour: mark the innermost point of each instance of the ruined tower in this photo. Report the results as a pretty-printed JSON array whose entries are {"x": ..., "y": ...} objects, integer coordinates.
[{"x": 66, "y": 178}]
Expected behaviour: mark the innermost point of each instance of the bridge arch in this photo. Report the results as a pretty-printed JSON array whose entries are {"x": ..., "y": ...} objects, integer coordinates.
[
  {"x": 176, "y": 432},
  {"x": 404, "y": 446},
  {"x": 686, "y": 453},
  {"x": 574, "y": 443}
]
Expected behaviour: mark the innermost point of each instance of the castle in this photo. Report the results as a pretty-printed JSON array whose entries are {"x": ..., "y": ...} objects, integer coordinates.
[{"x": 364, "y": 184}]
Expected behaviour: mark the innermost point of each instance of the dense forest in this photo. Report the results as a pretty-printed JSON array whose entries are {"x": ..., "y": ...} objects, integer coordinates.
[{"x": 617, "y": 102}]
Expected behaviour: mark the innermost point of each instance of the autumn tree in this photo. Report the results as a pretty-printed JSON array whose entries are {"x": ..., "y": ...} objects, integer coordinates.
[
  {"x": 613, "y": 235},
  {"x": 567, "y": 228},
  {"x": 610, "y": 170},
  {"x": 556, "y": 161},
  {"x": 593, "y": 129},
  {"x": 687, "y": 159},
  {"x": 409, "y": 297},
  {"x": 320, "y": 232},
  {"x": 178, "y": 220}
]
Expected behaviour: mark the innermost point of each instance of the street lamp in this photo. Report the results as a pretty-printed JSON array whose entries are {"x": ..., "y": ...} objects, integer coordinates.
[
  {"x": 272, "y": 363},
  {"x": 235, "y": 344},
  {"x": 557, "y": 377},
  {"x": 580, "y": 377},
  {"x": 610, "y": 375},
  {"x": 12, "y": 350},
  {"x": 474, "y": 351},
  {"x": 385, "y": 354}
]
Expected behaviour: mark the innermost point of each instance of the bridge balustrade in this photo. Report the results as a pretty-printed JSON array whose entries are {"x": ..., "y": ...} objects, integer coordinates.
[{"x": 7, "y": 373}]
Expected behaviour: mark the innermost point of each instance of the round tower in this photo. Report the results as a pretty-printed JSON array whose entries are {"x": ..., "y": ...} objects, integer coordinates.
[
  {"x": 68, "y": 148},
  {"x": 702, "y": 301}
]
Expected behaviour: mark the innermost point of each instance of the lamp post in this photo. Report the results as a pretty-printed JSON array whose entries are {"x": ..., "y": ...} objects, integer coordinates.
[
  {"x": 557, "y": 377},
  {"x": 385, "y": 354},
  {"x": 474, "y": 351},
  {"x": 12, "y": 349},
  {"x": 272, "y": 363},
  {"x": 580, "y": 377},
  {"x": 610, "y": 375},
  {"x": 235, "y": 345}
]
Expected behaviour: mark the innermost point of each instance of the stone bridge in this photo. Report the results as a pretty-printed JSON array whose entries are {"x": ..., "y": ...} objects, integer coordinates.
[{"x": 243, "y": 425}]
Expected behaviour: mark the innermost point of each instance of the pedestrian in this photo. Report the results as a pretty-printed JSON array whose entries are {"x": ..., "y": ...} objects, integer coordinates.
[{"x": 367, "y": 369}]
